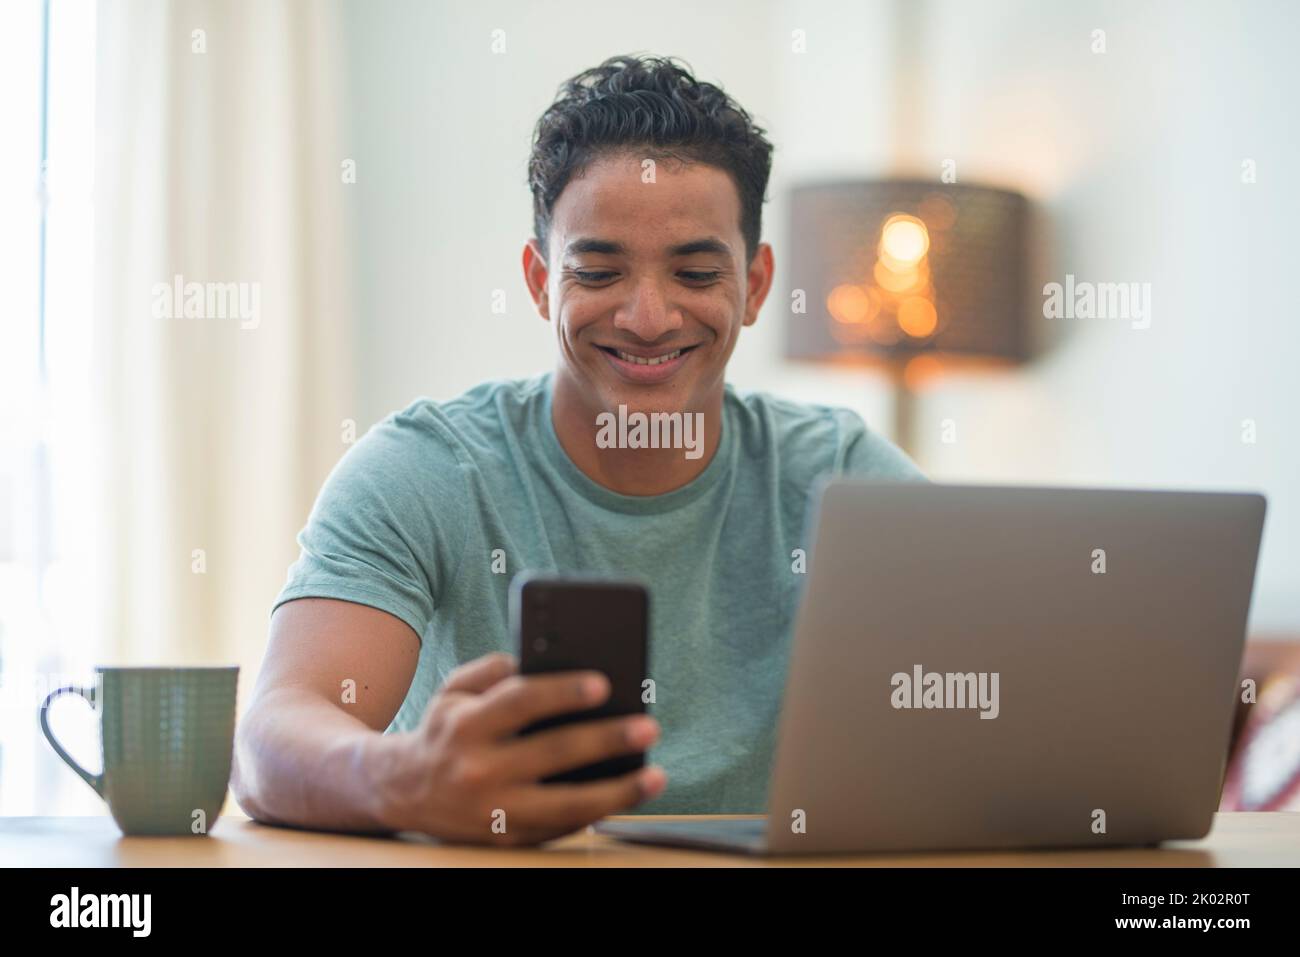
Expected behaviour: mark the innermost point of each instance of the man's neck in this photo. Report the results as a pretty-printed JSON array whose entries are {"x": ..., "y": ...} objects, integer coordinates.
[{"x": 630, "y": 471}]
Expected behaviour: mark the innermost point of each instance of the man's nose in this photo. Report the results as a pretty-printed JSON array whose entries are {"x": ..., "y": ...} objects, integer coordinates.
[{"x": 650, "y": 314}]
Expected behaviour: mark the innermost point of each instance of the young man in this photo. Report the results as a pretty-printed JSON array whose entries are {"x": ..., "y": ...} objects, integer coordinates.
[{"x": 388, "y": 699}]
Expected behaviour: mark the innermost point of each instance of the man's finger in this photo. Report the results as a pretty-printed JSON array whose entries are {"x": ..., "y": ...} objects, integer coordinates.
[
  {"x": 477, "y": 676},
  {"x": 567, "y": 807},
  {"x": 517, "y": 702},
  {"x": 535, "y": 756}
]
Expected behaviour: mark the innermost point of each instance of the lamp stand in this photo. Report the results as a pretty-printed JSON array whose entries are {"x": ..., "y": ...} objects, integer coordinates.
[{"x": 904, "y": 410}]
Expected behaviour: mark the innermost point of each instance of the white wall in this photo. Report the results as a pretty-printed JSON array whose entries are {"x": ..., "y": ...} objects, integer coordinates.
[
  {"x": 443, "y": 128},
  {"x": 1133, "y": 157}
]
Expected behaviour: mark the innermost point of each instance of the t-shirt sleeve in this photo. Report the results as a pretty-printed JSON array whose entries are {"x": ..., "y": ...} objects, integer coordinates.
[
  {"x": 388, "y": 527},
  {"x": 867, "y": 454}
]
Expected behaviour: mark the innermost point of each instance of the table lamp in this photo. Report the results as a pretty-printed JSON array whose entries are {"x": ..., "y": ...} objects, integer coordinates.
[{"x": 908, "y": 275}]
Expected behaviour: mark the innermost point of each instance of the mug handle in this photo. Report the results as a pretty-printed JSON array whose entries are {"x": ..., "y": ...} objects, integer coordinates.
[{"x": 96, "y": 781}]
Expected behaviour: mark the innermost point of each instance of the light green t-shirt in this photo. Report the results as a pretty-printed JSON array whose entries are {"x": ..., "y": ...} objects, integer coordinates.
[{"x": 410, "y": 518}]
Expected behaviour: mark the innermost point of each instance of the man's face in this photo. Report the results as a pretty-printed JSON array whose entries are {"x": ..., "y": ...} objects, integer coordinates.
[{"x": 647, "y": 284}]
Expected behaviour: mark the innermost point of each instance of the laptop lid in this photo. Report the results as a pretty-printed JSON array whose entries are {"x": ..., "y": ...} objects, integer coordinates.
[{"x": 983, "y": 666}]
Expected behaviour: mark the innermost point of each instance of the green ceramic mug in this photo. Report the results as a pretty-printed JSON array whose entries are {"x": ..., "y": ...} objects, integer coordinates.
[{"x": 167, "y": 738}]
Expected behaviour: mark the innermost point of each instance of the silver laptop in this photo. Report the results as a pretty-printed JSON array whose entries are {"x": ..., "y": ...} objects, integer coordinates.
[{"x": 989, "y": 667}]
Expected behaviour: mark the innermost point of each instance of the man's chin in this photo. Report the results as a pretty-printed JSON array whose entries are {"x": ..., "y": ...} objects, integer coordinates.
[
  {"x": 606, "y": 389},
  {"x": 660, "y": 397}
]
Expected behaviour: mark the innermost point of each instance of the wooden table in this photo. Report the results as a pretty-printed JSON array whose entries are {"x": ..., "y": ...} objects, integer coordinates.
[{"x": 1237, "y": 839}]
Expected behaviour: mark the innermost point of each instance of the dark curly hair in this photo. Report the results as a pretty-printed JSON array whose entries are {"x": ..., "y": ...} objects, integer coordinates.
[{"x": 654, "y": 106}]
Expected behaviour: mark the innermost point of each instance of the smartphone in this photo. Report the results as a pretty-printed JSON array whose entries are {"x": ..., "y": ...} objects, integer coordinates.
[{"x": 566, "y": 623}]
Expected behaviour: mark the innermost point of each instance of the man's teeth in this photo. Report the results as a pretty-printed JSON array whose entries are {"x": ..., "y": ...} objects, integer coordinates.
[{"x": 639, "y": 360}]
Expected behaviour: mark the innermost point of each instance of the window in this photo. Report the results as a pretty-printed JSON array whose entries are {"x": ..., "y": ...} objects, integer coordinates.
[{"x": 50, "y": 632}]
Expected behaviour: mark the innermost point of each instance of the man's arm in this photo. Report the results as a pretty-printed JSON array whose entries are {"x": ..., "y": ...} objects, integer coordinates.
[
  {"x": 304, "y": 754},
  {"x": 306, "y": 757}
]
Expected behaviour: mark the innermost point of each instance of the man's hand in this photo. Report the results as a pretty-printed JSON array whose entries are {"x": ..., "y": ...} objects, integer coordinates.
[{"x": 464, "y": 770}]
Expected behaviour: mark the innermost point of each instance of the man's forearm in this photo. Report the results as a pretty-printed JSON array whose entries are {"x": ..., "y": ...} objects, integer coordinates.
[{"x": 301, "y": 760}]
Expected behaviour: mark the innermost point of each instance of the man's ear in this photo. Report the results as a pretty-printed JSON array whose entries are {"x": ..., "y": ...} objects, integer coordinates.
[
  {"x": 758, "y": 282},
  {"x": 536, "y": 275}
]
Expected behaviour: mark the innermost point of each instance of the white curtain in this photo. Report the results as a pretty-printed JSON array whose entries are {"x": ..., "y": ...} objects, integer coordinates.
[{"x": 218, "y": 159}]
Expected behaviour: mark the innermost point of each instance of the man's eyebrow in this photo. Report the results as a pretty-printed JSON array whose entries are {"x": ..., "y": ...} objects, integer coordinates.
[
  {"x": 611, "y": 248},
  {"x": 709, "y": 245},
  {"x": 606, "y": 246}
]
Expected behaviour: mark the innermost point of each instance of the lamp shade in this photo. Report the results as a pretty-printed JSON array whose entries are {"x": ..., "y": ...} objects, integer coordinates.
[{"x": 895, "y": 268}]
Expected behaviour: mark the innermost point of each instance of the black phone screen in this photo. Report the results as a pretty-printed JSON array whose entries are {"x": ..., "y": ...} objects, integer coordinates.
[{"x": 575, "y": 624}]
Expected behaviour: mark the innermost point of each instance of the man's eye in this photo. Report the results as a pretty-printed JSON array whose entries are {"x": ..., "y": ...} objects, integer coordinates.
[{"x": 695, "y": 276}]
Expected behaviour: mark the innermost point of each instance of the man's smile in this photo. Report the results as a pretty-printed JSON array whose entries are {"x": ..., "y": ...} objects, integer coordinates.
[{"x": 644, "y": 365}]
